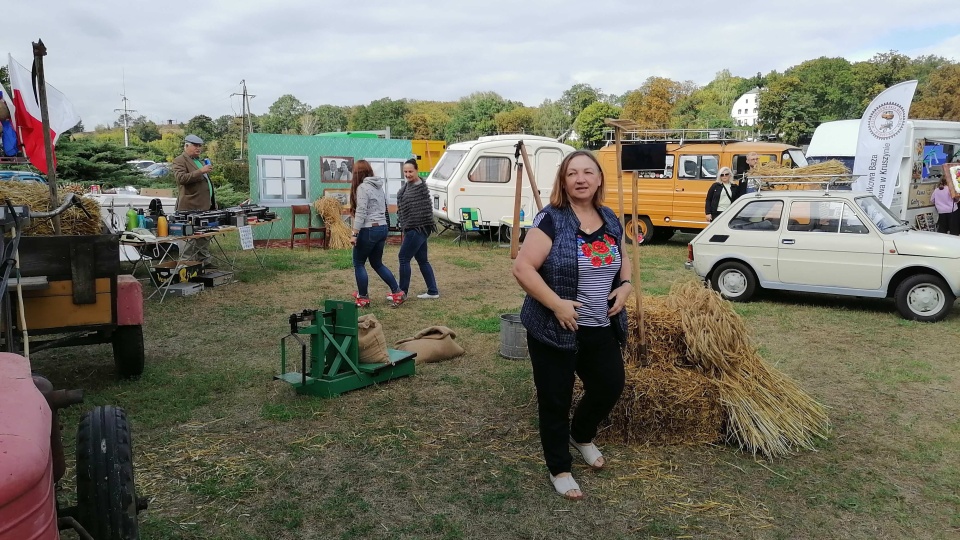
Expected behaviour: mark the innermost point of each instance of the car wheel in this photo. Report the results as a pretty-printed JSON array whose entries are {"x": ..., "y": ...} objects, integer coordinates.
[
  {"x": 646, "y": 233},
  {"x": 106, "y": 497},
  {"x": 924, "y": 297},
  {"x": 734, "y": 281}
]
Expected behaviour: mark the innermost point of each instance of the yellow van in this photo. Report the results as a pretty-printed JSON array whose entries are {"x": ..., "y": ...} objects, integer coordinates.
[{"x": 674, "y": 169}]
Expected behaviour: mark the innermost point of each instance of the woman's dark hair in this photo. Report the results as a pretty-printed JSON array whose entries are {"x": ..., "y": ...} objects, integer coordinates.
[
  {"x": 558, "y": 197},
  {"x": 413, "y": 162},
  {"x": 361, "y": 171}
]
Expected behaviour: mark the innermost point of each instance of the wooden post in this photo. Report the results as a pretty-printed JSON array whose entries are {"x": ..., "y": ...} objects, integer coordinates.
[
  {"x": 616, "y": 139},
  {"x": 533, "y": 180},
  {"x": 39, "y": 51},
  {"x": 515, "y": 230},
  {"x": 637, "y": 291}
]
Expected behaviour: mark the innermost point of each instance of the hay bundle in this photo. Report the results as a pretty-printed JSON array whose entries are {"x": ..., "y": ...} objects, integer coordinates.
[
  {"x": 331, "y": 211},
  {"x": 800, "y": 174},
  {"x": 765, "y": 411},
  {"x": 663, "y": 403},
  {"x": 703, "y": 378},
  {"x": 666, "y": 405},
  {"x": 664, "y": 336},
  {"x": 72, "y": 221}
]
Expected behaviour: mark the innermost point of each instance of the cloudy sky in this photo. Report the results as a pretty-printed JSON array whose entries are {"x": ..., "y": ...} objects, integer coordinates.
[{"x": 179, "y": 59}]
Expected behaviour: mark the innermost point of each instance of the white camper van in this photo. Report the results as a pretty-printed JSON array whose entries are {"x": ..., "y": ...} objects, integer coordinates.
[
  {"x": 481, "y": 174},
  {"x": 929, "y": 144}
]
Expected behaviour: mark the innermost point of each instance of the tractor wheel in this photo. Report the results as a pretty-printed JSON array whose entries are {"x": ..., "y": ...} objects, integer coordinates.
[
  {"x": 128, "y": 351},
  {"x": 106, "y": 497}
]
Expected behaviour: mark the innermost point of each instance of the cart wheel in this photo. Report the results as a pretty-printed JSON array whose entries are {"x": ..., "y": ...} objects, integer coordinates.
[
  {"x": 106, "y": 498},
  {"x": 128, "y": 351}
]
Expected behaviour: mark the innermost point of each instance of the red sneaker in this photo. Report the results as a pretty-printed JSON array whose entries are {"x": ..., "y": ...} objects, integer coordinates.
[
  {"x": 362, "y": 301},
  {"x": 397, "y": 298}
]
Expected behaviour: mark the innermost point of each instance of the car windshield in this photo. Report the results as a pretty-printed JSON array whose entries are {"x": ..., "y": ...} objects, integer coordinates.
[
  {"x": 880, "y": 215},
  {"x": 448, "y": 163}
]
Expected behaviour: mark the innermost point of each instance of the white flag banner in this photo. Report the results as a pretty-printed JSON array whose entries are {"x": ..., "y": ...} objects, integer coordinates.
[{"x": 881, "y": 141}]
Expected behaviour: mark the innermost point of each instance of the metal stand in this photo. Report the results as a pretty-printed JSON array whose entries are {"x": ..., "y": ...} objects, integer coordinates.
[{"x": 334, "y": 366}]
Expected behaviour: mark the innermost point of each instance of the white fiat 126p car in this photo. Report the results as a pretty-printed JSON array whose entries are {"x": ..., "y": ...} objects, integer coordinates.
[{"x": 829, "y": 242}]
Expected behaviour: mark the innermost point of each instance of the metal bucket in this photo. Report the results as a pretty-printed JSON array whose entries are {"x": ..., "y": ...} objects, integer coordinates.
[{"x": 513, "y": 337}]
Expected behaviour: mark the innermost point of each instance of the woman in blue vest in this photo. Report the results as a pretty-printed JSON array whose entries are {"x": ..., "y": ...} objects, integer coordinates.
[{"x": 577, "y": 284}]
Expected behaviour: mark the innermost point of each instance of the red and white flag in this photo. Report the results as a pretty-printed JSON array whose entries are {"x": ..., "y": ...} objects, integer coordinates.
[{"x": 26, "y": 114}]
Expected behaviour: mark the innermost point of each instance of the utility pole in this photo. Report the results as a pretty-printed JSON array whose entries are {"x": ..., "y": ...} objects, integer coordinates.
[
  {"x": 126, "y": 113},
  {"x": 245, "y": 120}
]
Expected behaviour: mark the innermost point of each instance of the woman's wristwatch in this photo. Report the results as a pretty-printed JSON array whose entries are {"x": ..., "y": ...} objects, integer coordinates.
[{"x": 624, "y": 282}]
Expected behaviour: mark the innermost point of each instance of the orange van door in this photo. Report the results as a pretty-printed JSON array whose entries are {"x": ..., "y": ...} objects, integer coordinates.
[{"x": 695, "y": 174}]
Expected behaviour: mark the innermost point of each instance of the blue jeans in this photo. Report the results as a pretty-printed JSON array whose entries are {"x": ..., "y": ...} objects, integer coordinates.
[
  {"x": 414, "y": 246},
  {"x": 369, "y": 246}
]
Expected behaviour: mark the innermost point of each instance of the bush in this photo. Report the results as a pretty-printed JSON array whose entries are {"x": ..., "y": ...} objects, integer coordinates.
[
  {"x": 227, "y": 196},
  {"x": 237, "y": 175}
]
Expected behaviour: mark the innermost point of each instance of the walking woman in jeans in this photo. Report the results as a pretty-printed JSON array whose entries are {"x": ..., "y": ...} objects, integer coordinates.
[
  {"x": 416, "y": 221},
  {"x": 368, "y": 206}
]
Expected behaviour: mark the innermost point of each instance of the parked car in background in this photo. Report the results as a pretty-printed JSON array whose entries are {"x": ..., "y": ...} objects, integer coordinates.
[
  {"x": 140, "y": 164},
  {"x": 157, "y": 170},
  {"x": 828, "y": 242},
  {"x": 22, "y": 176}
]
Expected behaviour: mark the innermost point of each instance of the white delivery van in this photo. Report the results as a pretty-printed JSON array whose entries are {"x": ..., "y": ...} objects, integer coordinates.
[
  {"x": 929, "y": 144},
  {"x": 481, "y": 174}
]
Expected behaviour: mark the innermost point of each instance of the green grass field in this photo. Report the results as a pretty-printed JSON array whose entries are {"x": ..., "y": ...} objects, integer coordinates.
[{"x": 224, "y": 452}]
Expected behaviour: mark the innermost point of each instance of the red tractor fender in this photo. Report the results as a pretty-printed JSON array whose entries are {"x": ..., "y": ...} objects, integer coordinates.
[
  {"x": 27, "y": 502},
  {"x": 129, "y": 301}
]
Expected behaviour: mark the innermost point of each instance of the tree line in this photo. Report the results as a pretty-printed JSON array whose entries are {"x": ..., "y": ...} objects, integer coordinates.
[{"x": 792, "y": 104}]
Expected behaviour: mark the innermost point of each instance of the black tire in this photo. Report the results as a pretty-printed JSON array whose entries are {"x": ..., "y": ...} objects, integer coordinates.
[
  {"x": 647, "y": 229},
  {"x": 734, "y": 281},
  {"x": 128, "y": 351},
  {"x": 106, "y": 496},
  {"x": 924, "y": 297}
]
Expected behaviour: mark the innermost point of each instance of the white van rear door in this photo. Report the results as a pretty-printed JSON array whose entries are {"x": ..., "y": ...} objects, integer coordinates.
[{"x": 490, "y": 186}]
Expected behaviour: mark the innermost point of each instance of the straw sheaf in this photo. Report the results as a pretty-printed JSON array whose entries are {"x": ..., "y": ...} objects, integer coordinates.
[
  {"x": 702, "y": 380},
  {"x": 331, "y": 211},
  {"x": 73, "y": 222},
  {"x": 800, "y": 174},
  {"x": 766, "y": 412}
]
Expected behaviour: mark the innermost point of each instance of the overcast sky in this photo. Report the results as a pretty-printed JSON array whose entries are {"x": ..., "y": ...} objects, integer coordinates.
[{"x": 180, "y": 59}]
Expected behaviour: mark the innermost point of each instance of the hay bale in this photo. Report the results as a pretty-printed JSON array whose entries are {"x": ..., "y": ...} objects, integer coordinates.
[
  {"x": 73, "y": 222},
  {"x": 666, "y": 405},
  {"x": 331, "y": 211}
]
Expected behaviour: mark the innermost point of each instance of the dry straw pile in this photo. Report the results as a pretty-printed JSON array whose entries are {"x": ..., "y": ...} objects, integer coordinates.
[
  {"x": 331, "y": 211},
  {"x": 73, "y": 221},
  {"x": 801, "y": 174},
  {"x": 702, "y": 379}
]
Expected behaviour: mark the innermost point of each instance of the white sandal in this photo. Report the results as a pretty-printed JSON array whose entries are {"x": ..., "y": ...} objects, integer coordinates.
[
  {"x": 564, "y": 485},
  {"x": 590, "y": 453}
]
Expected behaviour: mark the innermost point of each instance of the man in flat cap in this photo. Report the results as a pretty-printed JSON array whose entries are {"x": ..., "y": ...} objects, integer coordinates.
[{"x": 195, "y": 191}]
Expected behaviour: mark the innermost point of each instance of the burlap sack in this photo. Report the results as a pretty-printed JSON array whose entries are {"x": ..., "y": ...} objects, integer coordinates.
[
  {"x": 432, "y": 345},
  {"x": 372, "y": 342}
]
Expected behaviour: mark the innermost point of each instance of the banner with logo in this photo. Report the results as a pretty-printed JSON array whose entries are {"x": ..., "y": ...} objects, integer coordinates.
[{"x": 881, "y": 141}]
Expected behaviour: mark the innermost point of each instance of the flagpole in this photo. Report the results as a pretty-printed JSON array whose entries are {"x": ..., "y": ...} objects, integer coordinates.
[{"x": 39, "y": 51}]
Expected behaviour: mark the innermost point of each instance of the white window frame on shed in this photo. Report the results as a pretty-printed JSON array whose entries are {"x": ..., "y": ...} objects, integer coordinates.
[
  {"x": 391, "y": 170},
  {"x": 281, "y": 184}
]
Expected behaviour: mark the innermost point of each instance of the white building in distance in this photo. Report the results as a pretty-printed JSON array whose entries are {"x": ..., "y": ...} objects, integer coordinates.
[{"x": 744, "y": 111}]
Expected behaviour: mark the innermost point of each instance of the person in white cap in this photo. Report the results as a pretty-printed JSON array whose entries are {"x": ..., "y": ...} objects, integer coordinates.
[{"x": 195, "y": 191}]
